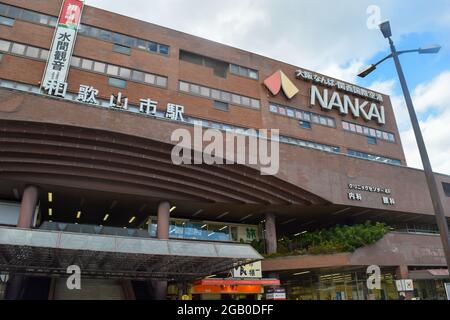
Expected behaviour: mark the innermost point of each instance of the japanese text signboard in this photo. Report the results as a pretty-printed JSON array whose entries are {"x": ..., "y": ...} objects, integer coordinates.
[{"x": 54, "y": 80}]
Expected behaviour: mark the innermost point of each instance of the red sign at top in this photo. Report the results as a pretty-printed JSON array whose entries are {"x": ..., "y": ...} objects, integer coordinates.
[{"x": 71, "y": 13}]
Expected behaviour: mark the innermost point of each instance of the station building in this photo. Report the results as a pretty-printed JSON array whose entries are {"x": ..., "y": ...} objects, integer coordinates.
[{"x": 87, "y": 112}]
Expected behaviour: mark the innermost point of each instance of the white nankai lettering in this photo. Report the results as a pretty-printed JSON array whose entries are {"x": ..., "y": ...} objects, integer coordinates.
[{"x": 358, "y": 108}]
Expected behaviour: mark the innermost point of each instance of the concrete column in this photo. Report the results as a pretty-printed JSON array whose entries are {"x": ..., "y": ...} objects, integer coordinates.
[
  {"x": 16, "y": 283},
  {"x": 163, "y": 220},
  {"x": 28, "y": 207},
  {"x": 15, "y": 287},
  {"x": 128, "y": 290},
  {"x": 401, "y": 273},
  {"x": 271, "y": 233},
  {"x": 159, "y": 288}
]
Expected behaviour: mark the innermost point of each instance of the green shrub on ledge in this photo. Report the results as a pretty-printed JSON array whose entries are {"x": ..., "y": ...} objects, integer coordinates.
[{"x": 341, "y": 238}]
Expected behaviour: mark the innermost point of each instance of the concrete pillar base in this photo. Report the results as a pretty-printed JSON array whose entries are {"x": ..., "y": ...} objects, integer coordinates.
[
  {"x": 158, "y": 290},
  {"x": 28, "y": 207},
  {"x": 271, "y": 234}
]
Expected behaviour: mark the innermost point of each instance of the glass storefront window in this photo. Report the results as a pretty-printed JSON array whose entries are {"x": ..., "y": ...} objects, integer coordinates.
[{"x": 205, "y": 231}]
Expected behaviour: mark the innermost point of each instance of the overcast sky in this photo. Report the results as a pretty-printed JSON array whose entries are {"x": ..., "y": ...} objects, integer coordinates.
[{"x": 332, "y": 37}]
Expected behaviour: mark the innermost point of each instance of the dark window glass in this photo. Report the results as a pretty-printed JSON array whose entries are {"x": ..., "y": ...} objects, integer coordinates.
[
  {"x": 243, "y": 72},
  {"x": 153, "y": 47},
  {"x": 221, "y": 105},
  {"x": 129, "y": 41},
  {"x": 191, "y": 57},
  {"x": 119, "y": 83},
  {"x": 3, "y": 8},
  {"x": 446, "y": 187},
  {"x": 30, "y": 16},
  {"x": 93, "y": 32},
  {"x": 14, "y": 12},
  {"x": 83, "y": 29},
  {"x": 305, "y": 124},
  {"x": 117, "y": 38},
  {"x": 6, "y": 21},
  {"x": 138, "y": 76},
  {"x": 163, "y": 49},
  {"x": 105, "y": 35},
  {"x": 121, "y": 49},
  {"x": 372, "y": 140},
  {"x": 141, "y": 44},
  {"x": 234, "y": 69},
  {"x": 53, "y": 21}
]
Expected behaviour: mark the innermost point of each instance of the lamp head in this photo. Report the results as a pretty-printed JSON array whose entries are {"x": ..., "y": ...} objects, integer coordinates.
[
  {"x": 385, "y": 28},
  {"x": 430, "y": 49},
  {"x": 366, "y": 71}
]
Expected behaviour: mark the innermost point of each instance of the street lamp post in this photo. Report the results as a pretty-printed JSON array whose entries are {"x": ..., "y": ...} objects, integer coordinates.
[{"x": 432, "y": 182}]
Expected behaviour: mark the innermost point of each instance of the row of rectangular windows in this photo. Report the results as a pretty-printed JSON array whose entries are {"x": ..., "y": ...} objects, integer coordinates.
[
  {"x": 219, "y": 67},
  {"x": 219, "y": 95},
  {"x": 124, "y": 40},
  {"x": 302, "y": 115},
  {"x": 86, "y": 64},
  {"x": 368, "y": 156},
  {"x": 244, "y": 71},
  {"x": 27, "y": 15},
  {"x": 32, "y": 16},
  {"x": 367, "y": 131},
  {"x": 221, "y": 126}
]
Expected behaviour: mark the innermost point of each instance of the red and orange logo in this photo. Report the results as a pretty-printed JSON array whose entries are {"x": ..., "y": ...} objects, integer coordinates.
[{"x": 279, "y": 81}]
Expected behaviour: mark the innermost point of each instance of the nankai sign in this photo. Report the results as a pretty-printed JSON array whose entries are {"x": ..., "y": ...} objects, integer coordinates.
[
  {"x": 346, "y": 104},
  {"x": 58, "y": 63},
  {"x": 331, "y": 99}
]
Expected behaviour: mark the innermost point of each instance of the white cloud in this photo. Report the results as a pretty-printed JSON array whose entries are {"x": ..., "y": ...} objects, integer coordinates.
[
  {"x": 430, "y": 98},
  {"x": 436, "y": 132},
  {"x": 435, "y": 94}
]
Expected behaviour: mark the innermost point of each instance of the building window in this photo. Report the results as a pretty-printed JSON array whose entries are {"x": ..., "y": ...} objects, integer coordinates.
[
  {"x": 219, "y": 95},
  {"x": 371, "y": 157},
  {"x": 223, "y": 106},
  {"x": 369, "y": 132},
  {"x": 18, "y": 49},
  {"x": 87, "y": 64},
  {"x": 446, "y": 187},
  {"x": 372, "y": 140},
  {"x": 5, "y": 45},
  {"x": 112, "y": 70},
  {"x": 99, "y": 67},
  {"x": 6, "y": 21},
  {"x": 243, "y": 71},
  {"x": 123, "y": 40},
  {"x": 125, "y": 73},
  {"x": 32, "y": 52},
  {"x": 163, "y": 49},
  {"x": 220, "y": 68},
  {"x": 119, "y": 83},
  {"x": 44, "y": 54},
  {"x": 302, "y": 115},
  {"x": 75, "y": 62},
  {"x": 305, "y": 124},
  {"x": 121, "y": 49}
]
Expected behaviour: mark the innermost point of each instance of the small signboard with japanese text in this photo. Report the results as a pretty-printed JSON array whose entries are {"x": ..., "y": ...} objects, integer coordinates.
[{"x": 252, "y": 270}]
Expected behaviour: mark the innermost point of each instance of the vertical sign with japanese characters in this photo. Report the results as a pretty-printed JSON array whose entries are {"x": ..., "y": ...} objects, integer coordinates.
[{"x": 54, "y": 79}]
